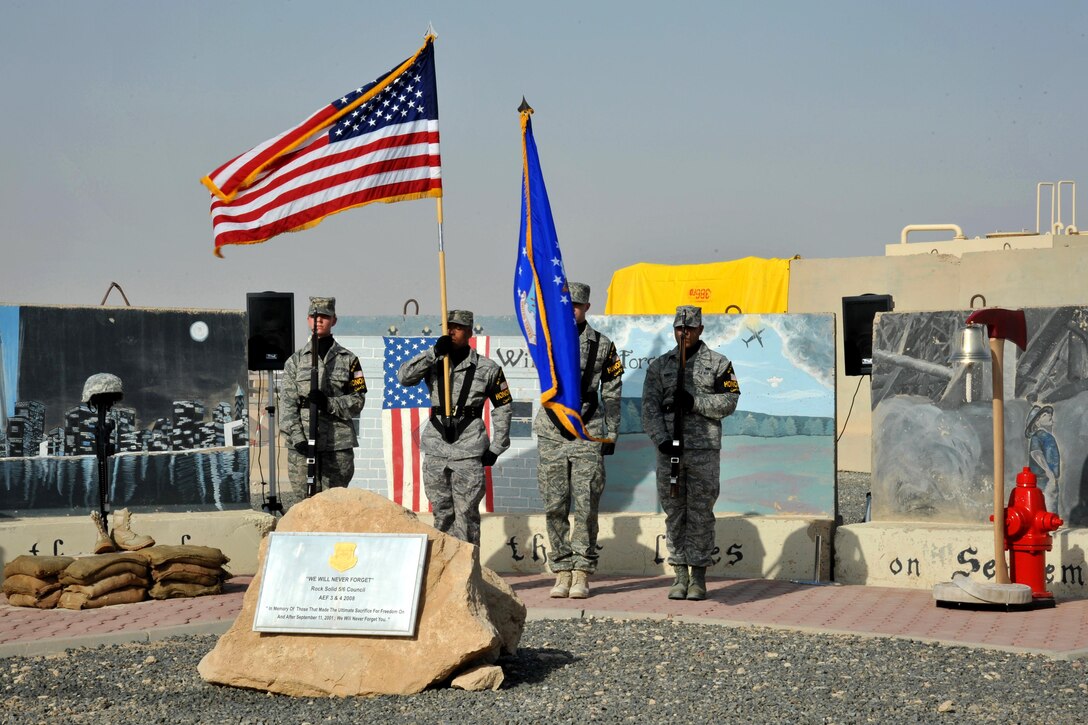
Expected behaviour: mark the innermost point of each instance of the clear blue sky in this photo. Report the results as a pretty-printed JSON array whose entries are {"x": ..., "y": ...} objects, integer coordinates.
[{"x": 669, "y": 133}]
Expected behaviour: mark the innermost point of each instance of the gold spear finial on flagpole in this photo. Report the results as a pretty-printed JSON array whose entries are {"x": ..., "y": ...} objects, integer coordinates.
[{"x": 524, "y": 107}]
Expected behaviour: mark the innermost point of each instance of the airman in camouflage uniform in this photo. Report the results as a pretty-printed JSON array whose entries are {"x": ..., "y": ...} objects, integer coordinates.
[
  {"x": 457, "y": 448},
  {"x": 571, "y": 471},
  {"x": 340, "y": 395},
  {"x": 710, "y": 393}
]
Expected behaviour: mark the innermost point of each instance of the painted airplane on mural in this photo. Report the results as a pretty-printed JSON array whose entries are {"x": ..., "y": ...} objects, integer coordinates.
[{"x": 757, "y": 335}]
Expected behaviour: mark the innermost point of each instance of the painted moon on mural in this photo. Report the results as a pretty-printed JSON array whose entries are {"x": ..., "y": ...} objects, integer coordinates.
[{"x": 199, "y": 331}]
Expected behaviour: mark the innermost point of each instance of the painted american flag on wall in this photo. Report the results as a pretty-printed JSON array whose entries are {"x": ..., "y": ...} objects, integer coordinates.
[{"x": 405, "y": 410}]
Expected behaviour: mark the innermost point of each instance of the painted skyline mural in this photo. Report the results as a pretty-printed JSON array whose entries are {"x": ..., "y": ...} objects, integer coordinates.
[{"x": 184, "y": 379}]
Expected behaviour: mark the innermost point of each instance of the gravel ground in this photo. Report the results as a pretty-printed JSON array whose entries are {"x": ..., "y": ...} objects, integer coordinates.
[
  {"x": 598, "y": 670},
  {"x": 587, "y": 670},
  {"x": 853, "y": 487}
]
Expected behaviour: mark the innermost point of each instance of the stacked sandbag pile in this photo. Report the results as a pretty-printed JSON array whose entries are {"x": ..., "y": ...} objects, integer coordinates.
[
  {"x": 105, "y": 579},
  {"x": 34, "y": 581},
  {"x": 186, "y": 571}
]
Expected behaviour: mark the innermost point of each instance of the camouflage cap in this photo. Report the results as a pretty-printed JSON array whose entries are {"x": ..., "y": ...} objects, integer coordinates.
[
  {"x": 460, "y": 317},
  {"x": 322, "y": 306},
  {"x": 101, "y": 383},
  {"x": 579, "y": 293},
  {"x": 688, "y": 316}
]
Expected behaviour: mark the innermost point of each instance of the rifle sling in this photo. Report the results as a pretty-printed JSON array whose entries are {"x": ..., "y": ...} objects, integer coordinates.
[
  {"x": 590, "y": 404},
  {"x": 462, "y": 415}
]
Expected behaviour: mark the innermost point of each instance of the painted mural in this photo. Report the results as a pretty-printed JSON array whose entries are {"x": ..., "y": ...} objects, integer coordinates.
[
  {"x": 932, "y": 418},
  {"x": 181, "y": 429},
  {"x": 778, "y": 448}
]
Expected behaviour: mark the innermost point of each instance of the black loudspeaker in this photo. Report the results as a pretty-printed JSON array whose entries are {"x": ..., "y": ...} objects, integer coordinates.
[
  {"x": 857, "y": 330},
  {"x": 271, "y": 329}
]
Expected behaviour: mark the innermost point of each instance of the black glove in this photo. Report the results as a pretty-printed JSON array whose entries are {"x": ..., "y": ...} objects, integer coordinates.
[
  {"x": 489, "y": 458},
  {"x": 443, "y": 346},
  {"x": 608, "y": 449},
  {"x": 669, "y": 449},
  {"x": 302, "y": 447},
  {"x": 684, "y": 400},
  {"x": 319, "y": 399}
]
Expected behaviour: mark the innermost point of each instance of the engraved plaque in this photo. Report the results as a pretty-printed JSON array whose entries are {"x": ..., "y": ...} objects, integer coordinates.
[{"x": 336, "y": 583}]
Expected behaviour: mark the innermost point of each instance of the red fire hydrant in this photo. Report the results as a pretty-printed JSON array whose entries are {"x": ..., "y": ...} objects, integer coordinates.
[{"x": 1027, "y": 534}]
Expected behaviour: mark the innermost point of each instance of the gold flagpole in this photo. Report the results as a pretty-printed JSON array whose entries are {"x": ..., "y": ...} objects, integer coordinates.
[{"x": 448, "y": 411}]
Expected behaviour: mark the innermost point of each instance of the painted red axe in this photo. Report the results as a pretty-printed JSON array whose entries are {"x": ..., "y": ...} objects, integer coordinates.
[{"x": 1001, "y": 325}]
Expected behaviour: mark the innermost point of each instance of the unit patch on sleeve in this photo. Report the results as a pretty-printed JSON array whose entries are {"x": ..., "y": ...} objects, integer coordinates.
[
  {"x": 356, "y": 380},
  {"x": 727, "y": 381},
  {"x": 500, "y": 391},
  {"x": 613, "y": 367}
]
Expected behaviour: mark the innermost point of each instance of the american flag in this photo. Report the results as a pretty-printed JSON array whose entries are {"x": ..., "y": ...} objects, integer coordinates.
[
  {"x": 404, "y": 413},
  {"x": 378, "y": 142}
]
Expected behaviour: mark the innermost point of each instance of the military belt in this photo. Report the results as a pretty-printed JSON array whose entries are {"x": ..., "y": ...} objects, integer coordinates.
[
  {"x": 452, "y": 427},
  {"x": 469, "y": 412}
]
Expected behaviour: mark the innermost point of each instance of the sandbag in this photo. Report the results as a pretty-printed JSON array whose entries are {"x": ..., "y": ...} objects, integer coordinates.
[
  {"x": 42, "y": 567},
  {"x": 109, "y": 584},
  {"x": 48, "y": 601},
  {"x": 79, "y": 600},
  {"x": 171, "y": 571},
  {"x": 187, "y": 577},
  {"x": 88, "y": 569},
  {"x": 30, "y": 585},
  {"x": 186, "y": 554},
  {"x": 176, "y": 590}
]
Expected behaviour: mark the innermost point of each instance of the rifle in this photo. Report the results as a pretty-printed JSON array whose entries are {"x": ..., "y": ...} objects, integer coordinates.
[
  {"x": 678, "y": 420},
  {"x": 103, "y": 446},
  {"x": 103, "y": 431},
  {"x": 312, "y": 472}
]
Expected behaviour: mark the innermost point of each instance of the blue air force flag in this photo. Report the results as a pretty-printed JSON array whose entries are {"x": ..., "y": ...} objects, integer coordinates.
[{"x": 541, "y": 298}]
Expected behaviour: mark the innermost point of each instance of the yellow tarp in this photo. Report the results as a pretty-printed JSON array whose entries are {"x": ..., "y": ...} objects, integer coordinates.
[{"x": 755, "y": 285}]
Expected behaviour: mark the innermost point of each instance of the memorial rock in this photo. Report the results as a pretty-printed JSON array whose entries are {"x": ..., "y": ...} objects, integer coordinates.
[{"x": 468, "y": 616}]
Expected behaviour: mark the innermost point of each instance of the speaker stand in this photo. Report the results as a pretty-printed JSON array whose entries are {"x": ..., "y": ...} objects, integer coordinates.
[{"x": 272, "y": 505}]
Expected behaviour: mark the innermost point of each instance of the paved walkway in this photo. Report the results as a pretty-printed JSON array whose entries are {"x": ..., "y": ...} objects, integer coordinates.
[{"x": 1060, "y": 632}]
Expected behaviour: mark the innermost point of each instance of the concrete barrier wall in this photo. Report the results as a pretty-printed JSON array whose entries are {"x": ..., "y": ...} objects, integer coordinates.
[
  {"x": 918, "y": 556},
  {"x": 180, "y": 430},
  {"x": 913, "y": 552},
  {"x": 1011, "y": 278},
  {"x": 933, "y": 444},
  {"x": 237, "y": 533},
  {"x": 748, "y": 547}
]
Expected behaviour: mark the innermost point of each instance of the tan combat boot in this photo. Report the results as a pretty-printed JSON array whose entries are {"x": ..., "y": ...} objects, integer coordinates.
[
  {"x": 562, "y": 586},
  {"x": 679, "y": 588},
  {"x": 579, "y": 585},
  {"x": 697, "y": 584},
  {"x": 124, "y": 535},
  {"x": 103, "y": 544}
]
